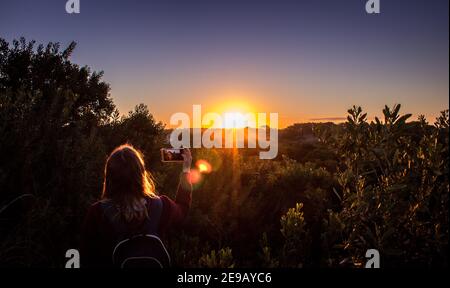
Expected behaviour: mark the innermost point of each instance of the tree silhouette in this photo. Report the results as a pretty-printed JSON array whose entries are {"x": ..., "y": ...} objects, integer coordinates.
[{"x": 57, "y": 122}]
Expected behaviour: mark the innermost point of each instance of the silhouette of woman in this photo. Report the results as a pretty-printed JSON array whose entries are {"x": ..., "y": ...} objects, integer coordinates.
[{"x": 129, "y": 206}]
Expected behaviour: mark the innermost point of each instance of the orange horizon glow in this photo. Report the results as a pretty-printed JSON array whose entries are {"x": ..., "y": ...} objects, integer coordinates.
[
  {"x": 235, "y": 118},
  {"x": 240, "y": 102},
  {"x": 309, "y": 103}
]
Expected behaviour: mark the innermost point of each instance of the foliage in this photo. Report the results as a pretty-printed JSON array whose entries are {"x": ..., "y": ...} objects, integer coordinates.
[
  {"x": 293, "y": 229},
  {"x": 217, "y": 259},
  {"x": 395, "y": 183},
  {"x": 267, "y": 258},
  {"x": 57, "y": 125},
  {"x": 334, "y": 191}
]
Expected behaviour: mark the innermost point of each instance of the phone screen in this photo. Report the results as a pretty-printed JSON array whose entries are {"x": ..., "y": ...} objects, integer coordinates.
[{"x": 171, "y": 155}]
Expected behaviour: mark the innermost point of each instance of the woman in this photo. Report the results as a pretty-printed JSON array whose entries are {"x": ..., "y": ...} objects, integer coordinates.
[{"x": 128, "y": 188}]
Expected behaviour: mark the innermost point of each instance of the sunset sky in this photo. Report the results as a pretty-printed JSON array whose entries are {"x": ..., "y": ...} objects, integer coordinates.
[{"x": 306, "y": 60}]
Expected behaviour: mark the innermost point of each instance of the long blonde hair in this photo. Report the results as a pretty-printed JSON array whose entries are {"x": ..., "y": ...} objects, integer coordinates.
[{"x": 127, "y": 183}]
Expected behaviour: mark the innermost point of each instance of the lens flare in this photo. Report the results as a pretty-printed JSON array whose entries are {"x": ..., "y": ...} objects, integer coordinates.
[
  {"x": 203, "y": 166},
  {"x": 194, "y": 176}
]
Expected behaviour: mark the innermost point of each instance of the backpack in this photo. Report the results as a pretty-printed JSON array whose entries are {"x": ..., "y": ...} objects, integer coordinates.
[{"x": 142, "y": 248}]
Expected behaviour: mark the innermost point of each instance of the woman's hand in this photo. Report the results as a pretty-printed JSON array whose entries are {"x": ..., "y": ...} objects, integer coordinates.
[{"x": 187, "y": 162}]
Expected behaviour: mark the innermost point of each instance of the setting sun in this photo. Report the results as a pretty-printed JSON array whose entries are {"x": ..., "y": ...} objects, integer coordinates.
[
  {"x": 235, "y": 114},
  {"x": 234, "y": 120}
]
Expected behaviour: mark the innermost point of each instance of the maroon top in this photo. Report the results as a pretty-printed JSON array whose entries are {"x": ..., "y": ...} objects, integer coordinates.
[{"x": 98, "y": 239}]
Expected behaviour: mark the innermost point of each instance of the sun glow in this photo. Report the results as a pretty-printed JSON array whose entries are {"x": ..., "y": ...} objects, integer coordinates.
[
  {"x": 235, "y": 114},
  {"x": 234, "y": 120}
]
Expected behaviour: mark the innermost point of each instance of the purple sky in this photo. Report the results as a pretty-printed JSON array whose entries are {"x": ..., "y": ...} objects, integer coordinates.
[{"x": 303, "y": 59}]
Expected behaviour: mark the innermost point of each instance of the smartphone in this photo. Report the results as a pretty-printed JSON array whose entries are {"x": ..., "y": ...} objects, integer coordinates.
[{"x": 171, "y": 155}]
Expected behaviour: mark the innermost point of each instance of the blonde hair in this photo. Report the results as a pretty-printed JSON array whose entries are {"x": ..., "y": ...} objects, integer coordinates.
[{"x": 127, "y": 183}]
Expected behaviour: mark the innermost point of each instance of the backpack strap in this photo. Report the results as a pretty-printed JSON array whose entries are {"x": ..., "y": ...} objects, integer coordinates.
[{"x": 155, "y": 208}]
